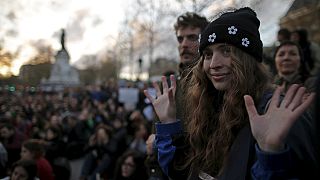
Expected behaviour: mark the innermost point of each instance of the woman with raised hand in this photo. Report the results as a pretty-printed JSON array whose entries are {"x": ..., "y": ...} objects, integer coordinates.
[{"x": 237, "y": 126}]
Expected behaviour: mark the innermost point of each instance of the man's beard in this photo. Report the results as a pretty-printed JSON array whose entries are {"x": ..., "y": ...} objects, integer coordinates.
[{"x": 194, "y": 56}]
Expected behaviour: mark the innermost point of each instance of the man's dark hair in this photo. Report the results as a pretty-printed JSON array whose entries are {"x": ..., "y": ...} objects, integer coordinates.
[
  {"x": 191, "y": 19},
  {"x": 285, "y": 33},
  {"x": 303, "y": 35},
  {"x": 35, "y": 146}
]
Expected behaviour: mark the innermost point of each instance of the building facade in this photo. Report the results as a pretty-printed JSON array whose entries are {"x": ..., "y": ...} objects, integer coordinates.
[{"x": 304, "y": 14}]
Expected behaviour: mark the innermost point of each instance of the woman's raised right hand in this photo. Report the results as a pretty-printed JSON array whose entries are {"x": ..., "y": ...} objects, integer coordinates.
[{"x": 164, "y": 104}]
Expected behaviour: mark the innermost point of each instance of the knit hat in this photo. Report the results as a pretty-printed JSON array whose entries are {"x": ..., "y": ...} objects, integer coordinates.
[{"x": 239, "y": 28}]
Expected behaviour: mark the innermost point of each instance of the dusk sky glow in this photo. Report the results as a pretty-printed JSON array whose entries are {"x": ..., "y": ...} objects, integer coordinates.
[{"x": 91, "y": 26}]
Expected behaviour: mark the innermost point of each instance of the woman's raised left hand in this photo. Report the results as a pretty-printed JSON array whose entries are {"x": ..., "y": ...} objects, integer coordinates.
[{"x": 271, "y": 128}]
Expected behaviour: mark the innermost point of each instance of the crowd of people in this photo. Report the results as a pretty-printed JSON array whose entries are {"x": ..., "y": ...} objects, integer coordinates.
[
  {"x": 54, "y": 128},
  {"x": 229, "y": 113}
]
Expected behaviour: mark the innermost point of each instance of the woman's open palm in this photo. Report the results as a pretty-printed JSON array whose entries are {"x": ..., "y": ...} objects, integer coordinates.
[
  {"x": 164, "y": 103},
  {"x": 271, "y": 129}
]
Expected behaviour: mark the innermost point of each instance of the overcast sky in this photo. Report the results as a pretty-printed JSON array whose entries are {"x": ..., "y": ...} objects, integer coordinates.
[
  {"x": 25, "y": 24},
  {"x": 90, "y": 24}
]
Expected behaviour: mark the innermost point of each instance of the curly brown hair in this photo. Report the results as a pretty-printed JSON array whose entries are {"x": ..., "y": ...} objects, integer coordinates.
[
  {"x": 213, "y": 117},
  {"x": 190, "y": 19}
]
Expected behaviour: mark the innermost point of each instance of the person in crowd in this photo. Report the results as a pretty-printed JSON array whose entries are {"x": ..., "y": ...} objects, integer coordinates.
[
  {"x": 282, "y": 36},
  {"x": 23, "y": 170},
  {"x": 310, "y": 50},
  {"x": 237, "y": 127},
  {"x": 55, "y": 153},
  {"x": 134, "y": 120},
  {"x": 80, "y": 131},
  {"x": 100, "y": 157},
  {"x": 22, "y": 124},
  {"x": 55, "y": 147},
  {"x": 188, "y": 27},
  {"x": 3, "y": 160},
  {"x": 120, "y": 136},
  {"x": 33, "y": 149},
  {"x": 37, "y": 127},
  {"x": 139, "y": 139},
  {"x": 290, "y": 67},
  {"x": 12, "y": 140},
  {"x": 130, "y": 166},
  {"x": 55, "y": 121}
]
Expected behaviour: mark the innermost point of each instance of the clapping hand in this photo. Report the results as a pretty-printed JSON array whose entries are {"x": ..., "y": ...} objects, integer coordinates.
[
  {"x": 164, "y": 104},
  {"x": 271, "y": 129}
]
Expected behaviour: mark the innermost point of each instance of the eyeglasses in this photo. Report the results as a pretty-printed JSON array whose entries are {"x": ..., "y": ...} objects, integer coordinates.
[{"x": 190, "y": 37}]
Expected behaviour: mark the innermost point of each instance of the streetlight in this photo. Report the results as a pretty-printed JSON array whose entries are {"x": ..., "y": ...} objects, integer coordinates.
[{"x": 140, "y": 67}]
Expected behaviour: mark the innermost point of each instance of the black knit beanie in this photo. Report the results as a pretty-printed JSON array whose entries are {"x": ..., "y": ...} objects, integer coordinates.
[{"x": 238, "y": 28}]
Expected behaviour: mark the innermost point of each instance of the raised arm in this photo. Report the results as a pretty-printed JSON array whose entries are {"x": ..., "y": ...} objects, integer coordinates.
[
  {"x": 275, "y": 158},
  {"x": 165, "y": 107}
]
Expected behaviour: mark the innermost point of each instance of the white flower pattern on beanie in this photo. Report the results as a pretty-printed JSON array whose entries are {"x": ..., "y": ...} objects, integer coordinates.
[
  {"x": 212, "y": 37},
  {"x": 245, "y": 42},
  {"x": 232, "y": 30}
]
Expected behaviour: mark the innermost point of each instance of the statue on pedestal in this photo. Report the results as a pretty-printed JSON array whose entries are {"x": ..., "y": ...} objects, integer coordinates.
[{"x": 62, "y": 73}]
